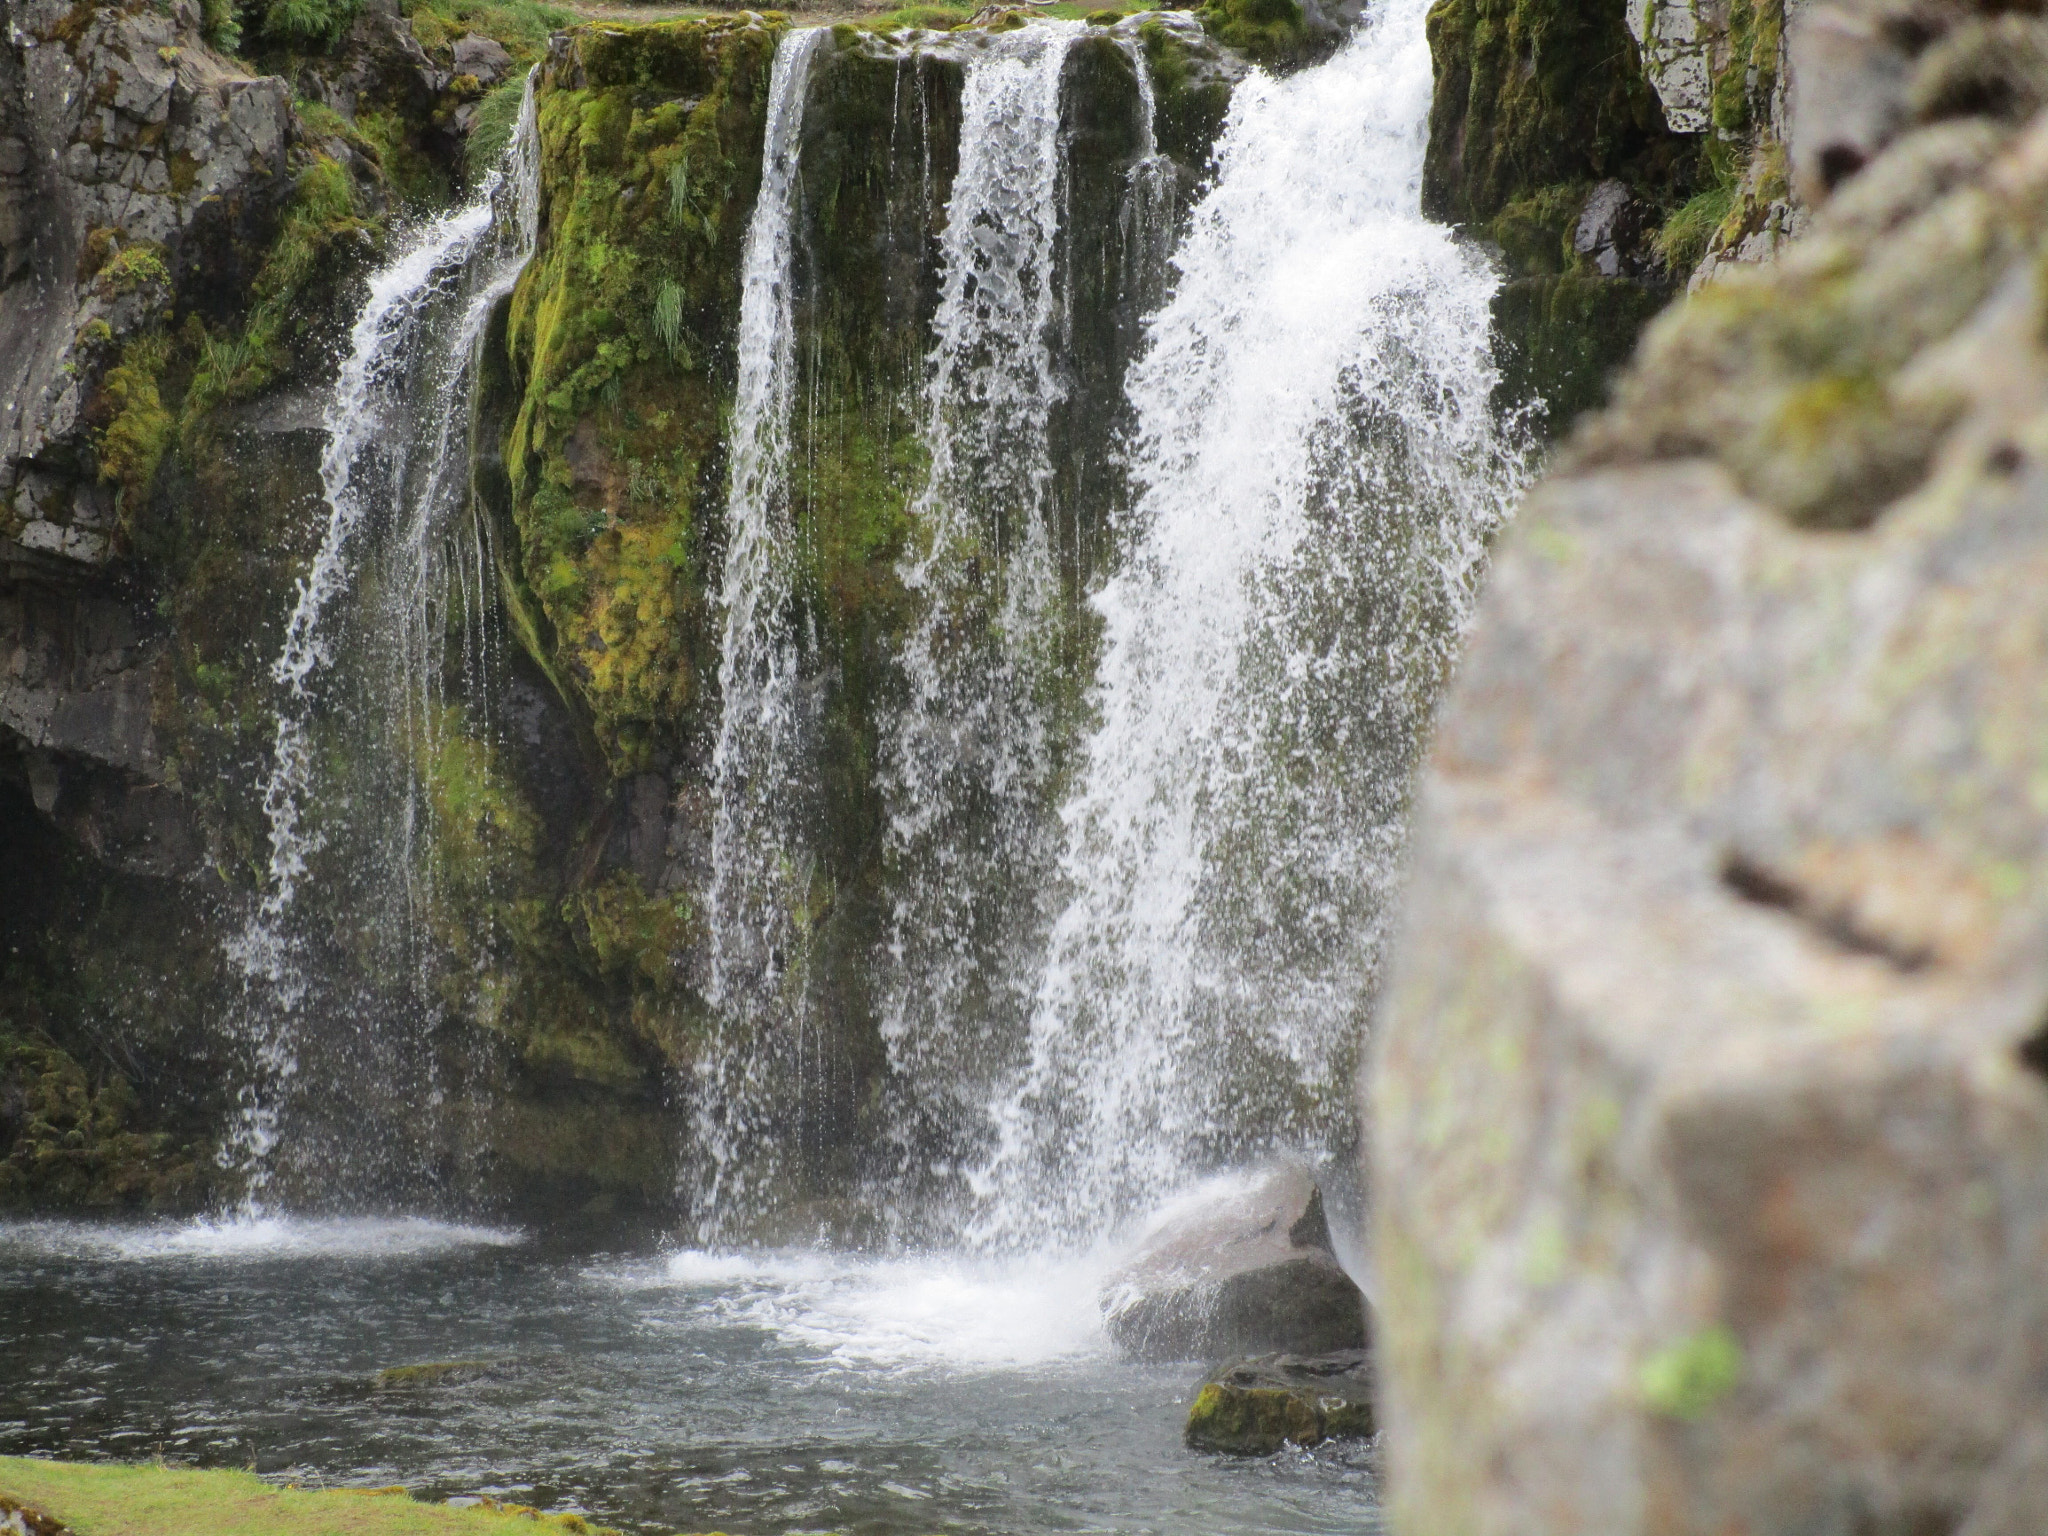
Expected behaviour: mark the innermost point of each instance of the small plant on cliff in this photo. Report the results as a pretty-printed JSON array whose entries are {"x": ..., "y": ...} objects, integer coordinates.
[
  {"x": 139, "y": 428},
  {"x": 1683, "y": 239},
  {"x": 315, "y": 24},
  {"x": 668, "y": 319}
]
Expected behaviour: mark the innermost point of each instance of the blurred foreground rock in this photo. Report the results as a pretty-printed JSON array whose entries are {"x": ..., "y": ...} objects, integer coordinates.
[
  {"x": 1254, "y": 1407},
  {"x": 1243, "y": 1269},
  {"x": 1710, "y": 1118}
]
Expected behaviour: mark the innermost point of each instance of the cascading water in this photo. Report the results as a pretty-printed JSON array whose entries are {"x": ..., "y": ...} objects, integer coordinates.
[
  {"x": 760, "y": 865},
  {"x": 971, "y": 758},
  {"x": 1318, "y": 471},
  {"x": 395, "y": 468}
]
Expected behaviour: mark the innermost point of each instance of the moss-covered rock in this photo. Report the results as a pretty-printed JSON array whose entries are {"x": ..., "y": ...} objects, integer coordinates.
[
  {"x": 1259, "y": 1406},
  {"x": 1533, "y": 95},
  {"x": 1548, "y": 139}
]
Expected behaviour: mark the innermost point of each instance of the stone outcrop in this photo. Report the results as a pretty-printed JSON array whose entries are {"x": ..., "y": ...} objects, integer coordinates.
[
  {"x": 131, "y": 156},
  {"x": 1710, "y": 1098},
  {"x": 1240, "y": 1268},
  {"x": 1259, "y": 1406}
]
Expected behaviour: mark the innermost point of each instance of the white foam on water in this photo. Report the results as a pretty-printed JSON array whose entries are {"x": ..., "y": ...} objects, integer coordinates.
[
  {"x": 254, "y": 1237},
  {"x": 920, "y": 1313}
]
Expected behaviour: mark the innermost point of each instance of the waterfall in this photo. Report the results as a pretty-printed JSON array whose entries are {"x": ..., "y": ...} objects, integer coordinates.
[
  {"x": 396, "y": 455},
  {"x": 1316, "y": 473},
  {"x": 970, "y": 761},
  {"x": 760, "y": 864}
]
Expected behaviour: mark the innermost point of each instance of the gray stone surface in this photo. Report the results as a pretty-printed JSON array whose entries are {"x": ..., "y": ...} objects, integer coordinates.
[
  {"x": 121, "y": 121},
  {"x": 1241, "y": 1268},
  {"x": 1710, "y": 1124}
]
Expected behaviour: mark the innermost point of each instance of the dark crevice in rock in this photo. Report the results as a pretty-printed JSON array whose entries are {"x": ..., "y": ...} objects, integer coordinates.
[{"x": 1765, "y": 887}]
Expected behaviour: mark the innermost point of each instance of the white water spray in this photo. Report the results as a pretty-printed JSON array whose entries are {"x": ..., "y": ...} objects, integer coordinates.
[
  {"x": 369, "y": 470},
  {"x": 760, "y": 864},
  {"x": 969, "y": 762},
  {"x": 1317, "y": 472}
]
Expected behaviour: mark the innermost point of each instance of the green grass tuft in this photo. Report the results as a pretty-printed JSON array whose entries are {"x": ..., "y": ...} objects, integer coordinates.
[
  {"x": 157, "y": 1500},
  {"x": 1683, "y": 239}
]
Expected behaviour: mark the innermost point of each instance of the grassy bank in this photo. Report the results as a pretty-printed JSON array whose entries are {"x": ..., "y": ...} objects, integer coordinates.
[{"x": 155, "y": 1500}]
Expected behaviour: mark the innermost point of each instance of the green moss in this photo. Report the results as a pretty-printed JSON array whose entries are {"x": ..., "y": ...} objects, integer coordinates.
[
  {"x": 139, "y": 427},
  {"x": 1535, "y": 232},
  {"x": 1251, "y": 1421},
  {"x": 1534, "y": 94},
  {"x": 1744, "y": 87},
  {"x": 648, "y": 172},
  {"x": 67, "y": 1140},
  {"x": 1685, "y": 1380},
  {"x": 435, "y": 1373},
  {"x": 623, "y": 930},
  {"x": 1190, "y": 102},
  {"x": 149, "y": 1500},
  {"x": 1272, "y": 32}
]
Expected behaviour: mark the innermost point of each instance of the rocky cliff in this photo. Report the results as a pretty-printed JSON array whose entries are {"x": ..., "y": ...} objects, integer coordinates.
[
  {"x": 193, "y": 201},
  {"x": 1710, "y": 1120},
  {"x": 1614, "y": 154},
  {"x": 183, "y": 229}
]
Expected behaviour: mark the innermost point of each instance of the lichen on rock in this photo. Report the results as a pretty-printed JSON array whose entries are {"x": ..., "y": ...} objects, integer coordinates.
[{"x": 1708, "y": 1118}]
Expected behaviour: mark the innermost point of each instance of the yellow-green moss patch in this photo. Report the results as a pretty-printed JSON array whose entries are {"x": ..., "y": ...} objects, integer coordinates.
[{"x": 156, "y": 1500}]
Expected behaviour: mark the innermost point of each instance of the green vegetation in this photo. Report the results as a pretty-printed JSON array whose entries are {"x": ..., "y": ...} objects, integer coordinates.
[
  {"x": 619, "y": 333},
  {"x": 1684, "y": 238},
  {"x": 1534, "y": 94},
  {"x": 157, "y": 1500},
  {"x": 522, "y": 26},
  {"x": 66, "y": 1137},
  {"x": 1269, "y": 31},
  {"x": 314, "y": 24},
  {"x": 1686, "y": 1379}
]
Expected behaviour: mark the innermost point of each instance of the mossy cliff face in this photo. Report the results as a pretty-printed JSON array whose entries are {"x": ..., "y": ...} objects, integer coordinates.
[
  {"x": 1710, "y": 1124},
  {"x": 162, "y": 497},
  {"x": 180, "y": 251},
  {"x": 1548, "y": 139},
  {"x": 620, "y": 339}
]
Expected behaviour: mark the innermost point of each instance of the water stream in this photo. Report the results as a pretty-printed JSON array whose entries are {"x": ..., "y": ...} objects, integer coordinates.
[
  {"x": 760, "y": 863},
  {"x": 401, "y": 536},
  {"x": 1317, "y": 471}
]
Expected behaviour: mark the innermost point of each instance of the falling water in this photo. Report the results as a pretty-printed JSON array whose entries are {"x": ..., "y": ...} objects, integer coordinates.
[
  {"x": 403, "y": 370},
  {"x": 1317, "y": 473},
  {"x": 970, "y": 763},
  {"x": 760, "y": 866}
]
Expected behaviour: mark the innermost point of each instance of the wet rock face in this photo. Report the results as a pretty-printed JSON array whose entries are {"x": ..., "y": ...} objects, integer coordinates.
[
  {"x": 1255, "y": 1407},
  {"x": 1710, "y": 1126},
  {"x": 131, "y": 155},
  {"x": 1241, "y": 1271}
]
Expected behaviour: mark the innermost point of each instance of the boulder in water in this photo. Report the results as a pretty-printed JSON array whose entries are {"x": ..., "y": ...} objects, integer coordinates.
[
  {"x": 1254, "y": 1407},
  {"x": 1245, "y": 1270}
]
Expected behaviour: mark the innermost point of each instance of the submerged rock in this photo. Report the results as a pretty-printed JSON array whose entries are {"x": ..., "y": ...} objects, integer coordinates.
[
  {"x": 1254, "y": 1407},
  {"x": 441, "y": 1373},
  {"x": 1710, "y": 1121},
  {"x": 1246, "y": 1270}
]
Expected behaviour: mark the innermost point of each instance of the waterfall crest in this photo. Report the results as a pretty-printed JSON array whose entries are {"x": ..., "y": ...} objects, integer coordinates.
[
  {"x": 394, "y": 475},
  {"x": 1317, "y": 472}
]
